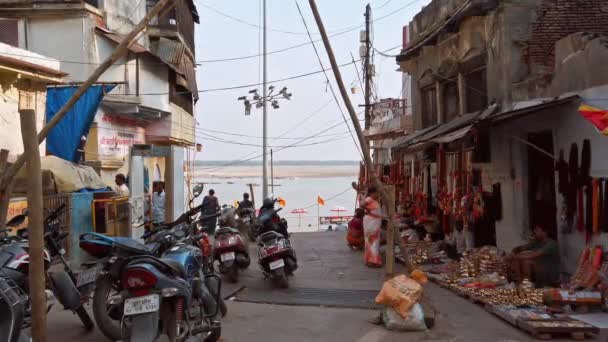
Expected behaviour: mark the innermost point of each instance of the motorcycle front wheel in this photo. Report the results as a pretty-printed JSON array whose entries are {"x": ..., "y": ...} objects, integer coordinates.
[{"x": 103, "y": 312}]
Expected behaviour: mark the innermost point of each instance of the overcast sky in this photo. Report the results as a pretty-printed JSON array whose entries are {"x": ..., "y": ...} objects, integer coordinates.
[{"x": 220, "y": 37}]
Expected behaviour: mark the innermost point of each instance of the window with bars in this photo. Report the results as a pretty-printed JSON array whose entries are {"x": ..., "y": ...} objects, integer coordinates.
[
  {"x": 429, "y": 106},
  {"x": 9, "y": 32},
  {"x": 476, "y": 90}
]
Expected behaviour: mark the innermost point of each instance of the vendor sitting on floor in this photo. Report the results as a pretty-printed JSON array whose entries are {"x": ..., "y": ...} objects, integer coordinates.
[
  {"x": 537, "y": 261},
  {"x": 455, "y": 242},
  {"x": 355, "y": 237}
]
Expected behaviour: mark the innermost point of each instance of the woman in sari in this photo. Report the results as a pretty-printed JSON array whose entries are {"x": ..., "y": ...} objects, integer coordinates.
[
  {"x": 372, "y": 223},
  {"x": 354, "y": 237}
]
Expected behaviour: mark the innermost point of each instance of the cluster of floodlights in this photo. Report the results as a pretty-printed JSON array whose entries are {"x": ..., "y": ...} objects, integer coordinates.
[{"x": 258, "y": 101}]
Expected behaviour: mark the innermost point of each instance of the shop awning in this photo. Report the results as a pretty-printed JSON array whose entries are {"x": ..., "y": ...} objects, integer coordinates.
[
  {"x": 527, "y": 107},
  {"x": 455, "y": 135},
  {"x": 410, "y": 138},
  {"x": 455, "y": 129}
]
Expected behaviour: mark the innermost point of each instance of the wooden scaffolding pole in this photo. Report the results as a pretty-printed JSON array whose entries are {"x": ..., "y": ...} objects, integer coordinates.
[
  {"x": 120, "y": 51},
  {"x": 36, "y": 224},
  {"x": 386, "y": 198}
]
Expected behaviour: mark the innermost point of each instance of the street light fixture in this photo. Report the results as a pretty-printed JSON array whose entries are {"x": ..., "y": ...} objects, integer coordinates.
[{"x": 272, "y": 98}]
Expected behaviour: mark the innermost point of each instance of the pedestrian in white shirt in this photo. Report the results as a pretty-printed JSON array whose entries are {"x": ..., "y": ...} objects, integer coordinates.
[
  {"x": 122, "y": 190},
  {"x": 158, "y": 202}
]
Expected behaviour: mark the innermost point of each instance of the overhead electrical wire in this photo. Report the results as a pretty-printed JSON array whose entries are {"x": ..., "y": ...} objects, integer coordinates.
[
  {"x": 327, "y": 78},
  {"x": 228, "y": 59},
  {"x": 383, "y": 5},
  {"x": 258, "y": 26},
  {"x": 280, "y": 149}
]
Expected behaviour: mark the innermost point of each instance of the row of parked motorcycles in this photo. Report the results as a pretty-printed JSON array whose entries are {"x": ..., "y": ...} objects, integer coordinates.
[{"x": 164, "y": 289}]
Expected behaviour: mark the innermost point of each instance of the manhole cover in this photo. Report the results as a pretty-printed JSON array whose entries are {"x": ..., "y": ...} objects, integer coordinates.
[{"x": 362, "y": 299}]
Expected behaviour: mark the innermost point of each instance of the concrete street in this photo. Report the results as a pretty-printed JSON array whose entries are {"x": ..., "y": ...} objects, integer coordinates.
[{"x": 325, "y": 262}]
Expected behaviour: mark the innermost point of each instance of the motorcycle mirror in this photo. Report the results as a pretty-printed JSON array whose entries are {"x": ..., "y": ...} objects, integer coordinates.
[{"x": 197, "y": 190}]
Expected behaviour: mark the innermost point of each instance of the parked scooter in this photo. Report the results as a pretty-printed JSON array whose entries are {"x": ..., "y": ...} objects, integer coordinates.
[
  {"x": 250, "y": 223},
  {"x": 229, "y": 249},
  {"x": 276, "y": 257},
  {"x": 14, "y": 261}
]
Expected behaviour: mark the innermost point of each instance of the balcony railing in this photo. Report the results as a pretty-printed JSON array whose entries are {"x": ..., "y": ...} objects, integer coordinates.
[{"x": 178, "y": 20}]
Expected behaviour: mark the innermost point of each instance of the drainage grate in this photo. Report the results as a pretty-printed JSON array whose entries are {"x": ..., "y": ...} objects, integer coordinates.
[{"x": 360, "y": 299}]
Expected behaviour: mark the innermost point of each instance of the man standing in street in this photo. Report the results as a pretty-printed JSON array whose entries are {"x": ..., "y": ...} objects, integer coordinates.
[
  {"x": 211, "y": 206},
  {"x": 245, "y": 203},
  {"x": 122, "y": 190},
  {"x": 158, "y": 202}
]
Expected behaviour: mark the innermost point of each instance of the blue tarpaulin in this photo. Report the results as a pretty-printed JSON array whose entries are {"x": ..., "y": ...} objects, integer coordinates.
[{"x": 64, "y": 139}]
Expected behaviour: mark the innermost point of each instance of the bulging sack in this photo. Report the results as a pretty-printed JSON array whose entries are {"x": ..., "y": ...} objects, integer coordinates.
[
  {"x": 400, "y": 293},
  {"x": 413, "y": 322}
]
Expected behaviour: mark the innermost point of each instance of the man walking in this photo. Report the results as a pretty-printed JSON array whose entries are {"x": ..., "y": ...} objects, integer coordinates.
[{"x": 211, "y": 206}]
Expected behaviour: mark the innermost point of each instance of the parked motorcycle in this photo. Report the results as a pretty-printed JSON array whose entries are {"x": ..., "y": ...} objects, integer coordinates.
[
  {"x": 229, "y": 249},
  {"x": 115, "y": 253},
  {"x": 14, "y": 260},
  {"x": 167, "y": 297},
  {"x": 13, "y": 303},
  {"x": 276, "y": 257}
]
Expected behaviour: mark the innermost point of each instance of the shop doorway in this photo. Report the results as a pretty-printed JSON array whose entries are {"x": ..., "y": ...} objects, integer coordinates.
[{"x": 541, "y": 182}]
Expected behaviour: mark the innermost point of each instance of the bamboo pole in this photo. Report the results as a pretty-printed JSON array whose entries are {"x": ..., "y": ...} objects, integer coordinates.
[
  {"x": 5, "y": 194},
  {"x": 252, "y": 195},
  {"x": 390, "y": 234},
  {"x": 390, "y": 205},
  {"x": 120, "y": 51},
  {"x": 36, "y": 224}
]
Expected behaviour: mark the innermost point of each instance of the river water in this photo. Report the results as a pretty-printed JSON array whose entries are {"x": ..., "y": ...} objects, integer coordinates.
[{"x": 297, "y": 192}]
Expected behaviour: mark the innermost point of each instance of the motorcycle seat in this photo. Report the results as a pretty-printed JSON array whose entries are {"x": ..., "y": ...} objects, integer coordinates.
[
  {"x": 271, "y": 235},
  {"x": 226, "y": 230},
  {"x": 163, "y": 265},
  {"x": 131, "y": 245}
]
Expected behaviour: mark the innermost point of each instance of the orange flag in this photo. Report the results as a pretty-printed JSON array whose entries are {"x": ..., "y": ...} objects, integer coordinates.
[
  {"x": 320, "y": 201},
  {"x": 282, "y": 202},
  {"x": 598, "y": 117}
]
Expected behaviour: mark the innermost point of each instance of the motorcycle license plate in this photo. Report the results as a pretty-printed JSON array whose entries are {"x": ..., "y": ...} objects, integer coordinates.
[
  {"x": 227, "y": 256},
  {"x": 142, "y": 305},
  {"x": 88, "y": 276},
  {"x": 276, "y": 264}
]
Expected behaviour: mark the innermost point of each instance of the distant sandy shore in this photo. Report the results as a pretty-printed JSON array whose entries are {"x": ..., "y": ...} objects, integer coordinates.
[{"x": 281, "y": 172}]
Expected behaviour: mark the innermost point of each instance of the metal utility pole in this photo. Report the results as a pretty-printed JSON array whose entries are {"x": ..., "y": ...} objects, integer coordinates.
[
  {"x": 271, "y": 173},
  {"x": 386, "y": 197},
  {"x": 265, "y": 107},
  {"x": 366, "y": 64}
]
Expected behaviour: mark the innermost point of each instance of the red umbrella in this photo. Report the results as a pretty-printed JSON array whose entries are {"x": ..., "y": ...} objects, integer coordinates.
[{"x": 299, "y": 211}]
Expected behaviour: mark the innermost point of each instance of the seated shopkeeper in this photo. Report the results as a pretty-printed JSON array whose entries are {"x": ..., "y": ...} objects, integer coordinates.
[{"x": 537, "y": 261}]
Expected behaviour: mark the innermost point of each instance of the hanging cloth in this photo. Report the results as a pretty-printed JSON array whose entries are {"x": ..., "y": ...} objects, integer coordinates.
[
  {"x": 595, "y": 204},
  {"x": 588, "y": 212},
  {"x": 573, "y": 165},
  {"x": 562, "y": 170},
  {"x": 580, "y": 215},
  {"x": 585, "y": 162},
  {"x": 601, "y": 214},
  {"x": 604, "y": 221}
]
